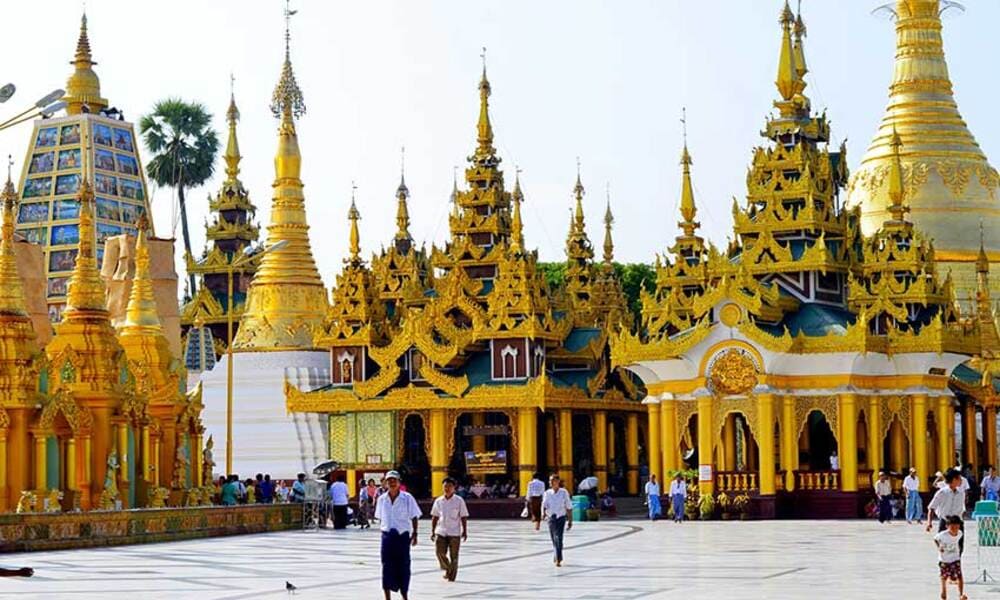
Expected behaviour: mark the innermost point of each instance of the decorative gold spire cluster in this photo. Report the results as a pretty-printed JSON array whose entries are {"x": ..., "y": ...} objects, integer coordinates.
[
  {"x": 897, "y": 208},
  {"x": 609, "y": 244},
  {"x": 791, "y": 60},
  {"x": 579, "y": 258},
  {"x": 83, "y": 88},
  {"x": 286, "y": 299},
  {"x": 485, "y": 151},
  {"x": 688, "y": 208},
  {"x": 402, "y": 213},
  {"x": 140, "y": 314},
  {"x": 11, "y": 291},
  {"x": 353, "y": 216},
  {"x": 86, "y": 288},
  {"x": 517, "y": 226}
]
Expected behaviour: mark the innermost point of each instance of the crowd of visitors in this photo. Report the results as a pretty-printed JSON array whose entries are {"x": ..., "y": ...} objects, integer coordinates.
[{"x": 231, "y": 490}]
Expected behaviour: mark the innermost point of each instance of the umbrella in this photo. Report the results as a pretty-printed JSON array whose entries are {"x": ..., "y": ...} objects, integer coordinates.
[
  {"x": 590, "y": 483},
  {"x": 325, "y": 468}
]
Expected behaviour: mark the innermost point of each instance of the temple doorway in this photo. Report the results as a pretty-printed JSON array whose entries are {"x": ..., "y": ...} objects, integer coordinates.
[
  {"x": 817, "y": 443},
  {"x": 415, "y": 466},
  {"x": 583, "y": 447},
  {"x": 483, "y": 433}
]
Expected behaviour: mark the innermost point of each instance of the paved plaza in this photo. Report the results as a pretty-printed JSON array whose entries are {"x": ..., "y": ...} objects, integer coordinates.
[{"x": 610, "y": 560}]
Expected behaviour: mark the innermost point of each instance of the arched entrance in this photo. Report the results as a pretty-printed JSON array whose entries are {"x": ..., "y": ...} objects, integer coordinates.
[
  {"x": 817, "y": 443},
  {"x": 484, "y": 432},
  {"x": 415, "y": 466},
  {"x": 583, "y": 447}
]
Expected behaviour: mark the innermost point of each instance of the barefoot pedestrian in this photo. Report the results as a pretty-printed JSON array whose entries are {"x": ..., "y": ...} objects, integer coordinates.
[
  {"x": 449, "y": 528},
  {"x": 397, "y": 512},
  {"x": 557, "y": 508}
]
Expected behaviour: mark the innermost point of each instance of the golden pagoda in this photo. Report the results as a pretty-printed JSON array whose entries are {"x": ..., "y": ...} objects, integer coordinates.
[
  {"x": 478, "y": 364},
  {"x": 950, "y": 185},
  {"x": 580, "y": 273},
  {"x": 286, "y": 300},
  {"x": 94, "y": 142},
  {"x": 231, "y": 232}
]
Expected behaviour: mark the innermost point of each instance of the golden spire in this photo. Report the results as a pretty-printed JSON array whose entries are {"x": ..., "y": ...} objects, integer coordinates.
[
  {"x": 609, "y": 245},
  {"x": 454, "y": 193},
  {"x": 484, "y": 129},
  {"x": 402, "y": 211},
  {"x": 83, "y": 87},
  {"x": 86, "y": 288},
  {"x": 578, "y": 191},
  {"x": 516, "y": 226},
  {"x": 353, "y": 215},
  {"x": 789, "y": 81},
  {"x": 232, "y": 154},
  {"x": 140, "y": 314},
  {"x": 896, "y": 189},
  {"x": 11, "y": 291},
  {"x": 688, "y": 208},
  {"x": 286, "y": 298},
  {"x": 800, "y": 53},
  {"x": 982, "y": 261}
]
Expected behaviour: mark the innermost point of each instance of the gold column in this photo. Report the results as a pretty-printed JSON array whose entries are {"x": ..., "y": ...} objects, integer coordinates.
[
  {"x": 611, "y": 445},
  {"x": 71, "y": 475},
  {"x": 653, "y": 443},
  {"x": 875, "y": 439},
  {"x": 729, "y": 443},
  {"x": 439, "y": 450},
  {"x": 669, "y": 438},
  {"x": 3, "y": 471},
  {"x": 600, "y": 443},
  {"x": 527, "y": 445},
  {"x": 123, "y": 457},
  {"x": 789, "y": 441},
  {"x": 897, "y": 445},
  {"x": 88, "y": 474},
  {"x": 40, "y": 461},
  {"x": 765, "y": 444},
  {"x": 551, "y": 460},
  {"x": 990, "y": 434},
  {"x": 945, "y": 420},
  {"x": 199, "y": 467},
  {"x": 18, "y": 456},
  {"x": 566, "y": 447},
  {"x": 632, "y": 452},
  {"x": 147, "y": 464},
  {"x": 848, "y": 418},
  {"x": 100, "y": 445},
  {"x": 918, "y": 444},
  {"x": 969, "y": 435},
  {"x": 352, "y": 482},
  {"x": 158, "y": 479},
  {"x": 706, "y": 444},
  {"x": 478, "y": 441}
]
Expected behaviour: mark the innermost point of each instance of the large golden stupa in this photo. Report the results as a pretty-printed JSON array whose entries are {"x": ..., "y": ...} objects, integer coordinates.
[{"x": 950, "y": 186}]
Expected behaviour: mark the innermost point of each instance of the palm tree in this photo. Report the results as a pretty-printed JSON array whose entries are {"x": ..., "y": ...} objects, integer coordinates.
[{"x": 180, "y": 137}]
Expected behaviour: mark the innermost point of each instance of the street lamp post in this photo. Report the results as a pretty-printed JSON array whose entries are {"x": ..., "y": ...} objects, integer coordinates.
[{"x": 241, "y": 261}]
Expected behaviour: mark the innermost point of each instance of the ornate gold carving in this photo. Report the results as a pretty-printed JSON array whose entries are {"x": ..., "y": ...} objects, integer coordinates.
[
  {"x": 732, "y": 372},
  {"x": 829, "y": 406}
]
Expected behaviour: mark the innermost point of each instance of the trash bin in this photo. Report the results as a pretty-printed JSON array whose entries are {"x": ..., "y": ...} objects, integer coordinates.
[
  {"x": 580, "y": 506},
  {"x": 988, "y": 523}
]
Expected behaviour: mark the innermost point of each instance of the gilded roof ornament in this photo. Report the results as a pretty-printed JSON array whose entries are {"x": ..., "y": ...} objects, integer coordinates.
[
  {"x": 141, "y": 313},
  {"x": 232, "y": 154},
  {"x": 83, "y": 88},
  {"x": 287, "y": 97},
  {"x": 11, "y": 292},
  {"x": 86, "y": 288},
  {"x": 789, "y": 80},
  {"x": 609, "y": 220},
  {"x": 355, "y": 237},
  {"x": 484, "y": 128},
  {"x": 402, "y": 210},
  {"x": 517, "y": 226}
]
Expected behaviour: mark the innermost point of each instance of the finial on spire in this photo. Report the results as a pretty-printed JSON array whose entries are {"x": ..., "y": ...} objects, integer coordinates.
[
  {"x": 11, "y": 291},
  {"x": 688, "y": 208},
  {"x": 402, "y": 210},
  {"x": 897, "y": 190},
  {"x": 517, "y": 225},
  {"x": 353, "y": 215},
  {"x": 141, "y": 313},
  {"x": 287, "y": 100},
  {"x": 578, "y": 192},
  {"x": 789, "y": 80},
  {"x": 484, "y": 149},
  {"x": 982, "y": 261},
  {"x": 609, "y": 219}
]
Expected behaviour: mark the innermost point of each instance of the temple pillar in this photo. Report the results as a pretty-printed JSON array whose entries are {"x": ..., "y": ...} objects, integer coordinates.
[
  {"x": 439, "y": 449},
  {"x": 4, "y": 504},
  {"x": 729, "y": 443},
  {"x": 945, "y": 421},
  {"x": 100, "y": 446},
  {"x": 874, "y": 417},
  {"x": 40, "y": 460},
  {"x": 765, "y": 444},
  {"x": 85, "y": 472},
  {"x": 121, "y": 428},
  {"x": 897, "y": 445},
  {"x": 632, "y": 452},
  {"x": 969, "y": 436},
  {"x": 990, "y": 435},
  {"x": 479, "y": 440},
  {"x": 611, "y": 446},
  {"x": 527, "y": 445},
  {"x": 71, "y": 462},
  {"x": 566, "y": 448},
  {"x": 848, "y": 419},
  {"x": 706, "y": 444},
  {"x": 918, "y": 444},
  {"x": 599, "y": 441},
  {"x": 653, "y": 442},
  {"x": 146, "y": 449},
  {"x": 168, "y": 453},
  {"x": 551, "y": 460},
  {"x": 789, "y": 441},
  {"x": 352, "y": 482},
  {"x": 196, "y": 462},
  {"x": 18, "y": 455},
  {"x": 669, "y": 438}
]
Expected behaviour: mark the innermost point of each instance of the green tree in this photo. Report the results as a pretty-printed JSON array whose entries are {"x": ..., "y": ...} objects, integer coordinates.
[
  {"x": 635, "y": 277},
  {"x": 180, "y": 137},
  {"x": 554, "y": 272}
]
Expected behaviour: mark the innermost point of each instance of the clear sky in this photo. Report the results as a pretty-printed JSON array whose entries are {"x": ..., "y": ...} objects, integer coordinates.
[{"x": 602, "y": 80}]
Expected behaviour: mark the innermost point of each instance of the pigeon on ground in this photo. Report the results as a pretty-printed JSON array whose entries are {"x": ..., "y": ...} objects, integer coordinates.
[{"x": 290, "y": 588}]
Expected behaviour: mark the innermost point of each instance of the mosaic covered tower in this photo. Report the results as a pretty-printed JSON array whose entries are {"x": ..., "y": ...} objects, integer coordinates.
[
  {"x": 230, "y": 233},
  {"x": 94, "y": 142},
  {"x": 950, "y": 185}
]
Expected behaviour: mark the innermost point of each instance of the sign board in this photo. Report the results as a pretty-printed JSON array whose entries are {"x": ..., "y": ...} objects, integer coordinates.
[
  {"x": 486, "y": 463},
  {"x": 373, "y": 459},
  {"x": 704, "y": 472},
  {"x": 471, "y": 430}
]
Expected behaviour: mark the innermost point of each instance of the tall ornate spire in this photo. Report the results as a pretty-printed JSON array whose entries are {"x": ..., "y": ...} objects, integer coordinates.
[
  {"x": 789, "y": 79},
  {"x": 578, "y": 192},
  {"x": 232, "y": 153},
  {"x": 83, "y": 88},
  {"x": 896, "y": 188},
  {"x": 516, "y": 225},
  {"x": 286, "y": 299},
  {"x": 86, "y": 288},
  {"x": 800, "y": 52},
  {"x": 402, "y": 211},
  {"x": 141, "y": 315},
  {"x": 11, "y": 291},
  {"x": 609, "y": 245},
  {"x": 484, "y": 137},
  {"x": 353, "y": 215},
  {"x": 688, "y": 208}
]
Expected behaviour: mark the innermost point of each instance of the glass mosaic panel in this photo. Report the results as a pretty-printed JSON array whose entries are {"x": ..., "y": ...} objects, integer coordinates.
[
  {"x": 62, "y": 260},
  {"x": 127, "y": 165},
  {"x": 70, "y": 134},
  {"x": 41, "y": 162},
  {"x": 67, "y": 209},
  {"x": 67, "y": 184},
  {"x": 39, "y": 186},
  {"x": 108, "y": 209},
  {"x": 131, "y": 189},
  {"x": 57, "y": 286},
  {"x": 33, "y": 212},
  {"x": 104, "y": 160},
  {"x": 47, "y": 136},
  {"x": 105, "y": 184},
  {"x": 102, "y": 134},
  {"x": 123, "y": 139},
  {"x": 69, "y": 159},
  {"x": 65, "y": 234},
  {"x": 105, "y": 231}
]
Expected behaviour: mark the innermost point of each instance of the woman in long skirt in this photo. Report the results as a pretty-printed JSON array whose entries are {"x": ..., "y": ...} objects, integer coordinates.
[
  {"x": 678, "y": 495},
  {"x": 653, "y": 498}
]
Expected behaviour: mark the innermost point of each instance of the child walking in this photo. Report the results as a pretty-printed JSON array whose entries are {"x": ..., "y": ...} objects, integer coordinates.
[{"x": 950, "y": 557}]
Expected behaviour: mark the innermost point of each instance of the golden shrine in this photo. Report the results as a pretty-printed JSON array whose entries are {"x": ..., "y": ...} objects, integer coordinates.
[
  {"x": 97, "y": 416},
  {"x": 807, "y": 355},
  {"x": 440, "y": 359}
]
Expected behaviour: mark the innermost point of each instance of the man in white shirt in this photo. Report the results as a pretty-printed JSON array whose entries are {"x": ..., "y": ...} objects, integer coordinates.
[
  {"x": 449, "y": 527},
  {"x": 397, "y": 512},
  {"x": 883, "y": 495},
  {"x": 678, "y": 496},
  {"x": 533, "y": 498},
  {"x": 558, "y": 509},
  {"x": 653, "y": 498},
  {"x": 991, "y": 484},
  {"x": 338, "y": 498},
  {"x": 947, "y": 502},
  {"x": 834, "y": 461},
  {"x": 914, "y": 505}
]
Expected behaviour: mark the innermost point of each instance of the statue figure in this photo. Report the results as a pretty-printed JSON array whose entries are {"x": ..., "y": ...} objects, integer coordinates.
[
  {"x": 181, "y": 464},
  {"x": 206, "y": 462},
  {"x": 158, "y": 497},
  {"x": 54, "y": 501},
  {"x": 26, "y": 503},
  {"x": 109, "y": 495}
]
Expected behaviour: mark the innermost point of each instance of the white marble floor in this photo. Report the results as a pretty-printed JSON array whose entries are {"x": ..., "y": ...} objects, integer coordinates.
[{"x": 610, "y": 560}]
